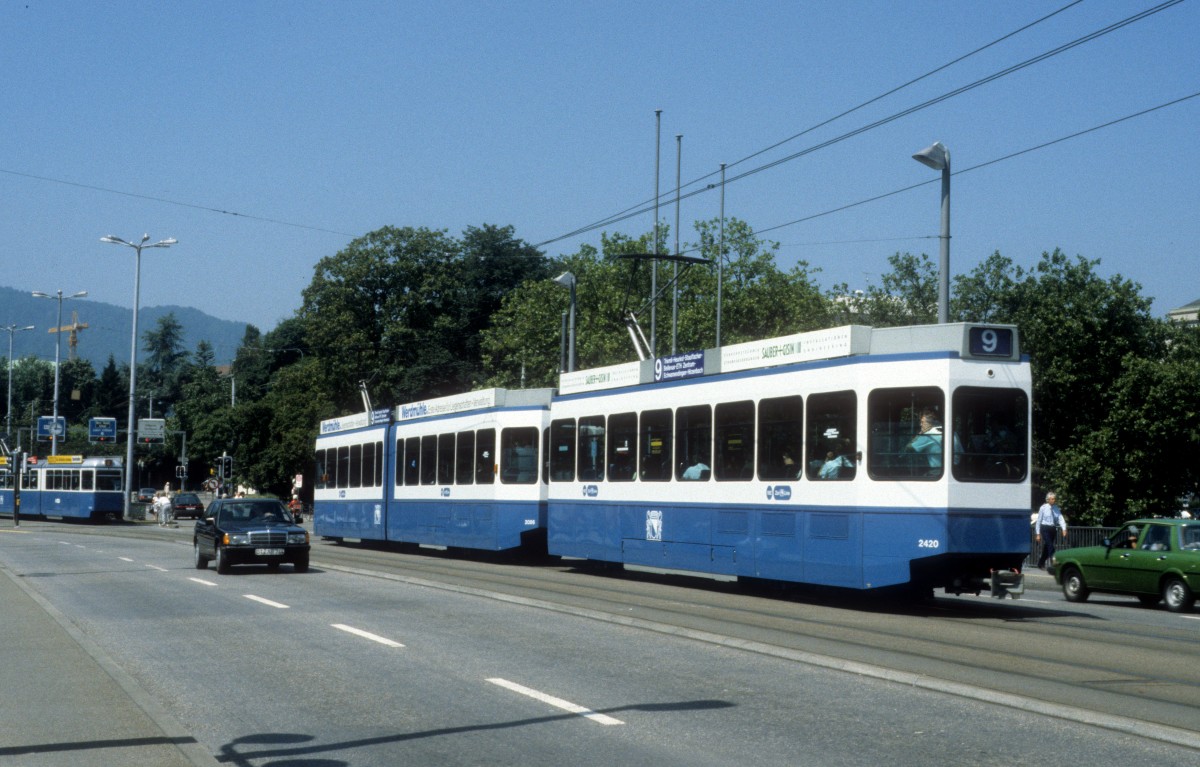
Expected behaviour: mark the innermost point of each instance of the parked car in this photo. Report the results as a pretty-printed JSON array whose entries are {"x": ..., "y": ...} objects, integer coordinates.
[
  {"x": 237, "y": 531},
  {"x": 146, "y": 495},
  {"x": 1151, "y": 559},
  {"x": 187, "y": 505}
]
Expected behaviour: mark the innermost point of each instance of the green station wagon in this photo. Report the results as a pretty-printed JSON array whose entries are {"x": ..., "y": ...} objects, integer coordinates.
[{"x": 1151, "y": 559}]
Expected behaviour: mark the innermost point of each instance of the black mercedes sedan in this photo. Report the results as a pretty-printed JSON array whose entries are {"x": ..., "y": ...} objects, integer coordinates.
[{"x": 238, "y": 531}]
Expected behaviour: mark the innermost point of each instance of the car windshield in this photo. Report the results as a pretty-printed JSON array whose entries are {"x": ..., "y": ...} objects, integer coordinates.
[{"x": 256, "y": 512}]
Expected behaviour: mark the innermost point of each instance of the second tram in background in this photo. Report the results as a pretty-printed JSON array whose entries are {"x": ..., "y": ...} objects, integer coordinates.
[
  {"x": 459, "y": 471},
  {"x": 66, "y": 486},
  {"x": 852, "y": 457}
]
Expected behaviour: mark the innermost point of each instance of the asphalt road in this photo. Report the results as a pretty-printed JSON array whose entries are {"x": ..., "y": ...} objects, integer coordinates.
[{"x": 382, "y": 657}]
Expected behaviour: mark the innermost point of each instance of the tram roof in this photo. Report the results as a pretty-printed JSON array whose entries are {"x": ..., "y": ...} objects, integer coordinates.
[
  {"x": 968, "y": 340},
  {"x": 482, "y": 399}
]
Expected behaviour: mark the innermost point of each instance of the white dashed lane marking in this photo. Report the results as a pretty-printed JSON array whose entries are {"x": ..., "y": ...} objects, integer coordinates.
[
  {"x": 565, "y": 705},
  {"x": 366, "y": 635}
]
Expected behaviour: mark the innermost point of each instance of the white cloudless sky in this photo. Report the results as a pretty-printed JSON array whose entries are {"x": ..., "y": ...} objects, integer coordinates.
[{"x": 265, "y": 136}]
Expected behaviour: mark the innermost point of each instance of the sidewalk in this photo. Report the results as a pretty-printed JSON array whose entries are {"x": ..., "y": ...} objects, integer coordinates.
[{"x": 64, "y": 702}]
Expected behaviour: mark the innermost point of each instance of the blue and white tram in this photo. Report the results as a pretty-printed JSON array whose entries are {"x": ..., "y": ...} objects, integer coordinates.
[
  {"x": 458, "y": 471},
  {"x": 852, "y": 457},
  {"x": 67, "y": 486}
]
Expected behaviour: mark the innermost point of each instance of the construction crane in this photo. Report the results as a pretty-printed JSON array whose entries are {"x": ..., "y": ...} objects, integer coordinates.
[{"x": 73, "y": 329}]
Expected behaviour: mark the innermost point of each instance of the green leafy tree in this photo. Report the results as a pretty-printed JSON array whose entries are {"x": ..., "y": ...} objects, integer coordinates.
[
  {"x": 1091, "y": 343},
  {"x": 165, "y": 358},
  {"x": 522, "y": 348},
  {"x": 906, "y": 295}
]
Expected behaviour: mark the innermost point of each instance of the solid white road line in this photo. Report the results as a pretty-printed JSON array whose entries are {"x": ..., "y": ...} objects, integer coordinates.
[
  {"x": 556, "y": 702},
  {"x": 266, "y": 602},
  {"x": 365, "y": 635}
]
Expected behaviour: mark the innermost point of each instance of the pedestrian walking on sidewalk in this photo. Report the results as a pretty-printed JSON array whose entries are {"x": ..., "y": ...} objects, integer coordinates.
[{"x": 1047, "y": 525}]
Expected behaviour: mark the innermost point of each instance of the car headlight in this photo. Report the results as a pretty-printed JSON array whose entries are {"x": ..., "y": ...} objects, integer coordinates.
[
  {"x": 237, "y": 539},
  {"x": 298, "y": 538}
]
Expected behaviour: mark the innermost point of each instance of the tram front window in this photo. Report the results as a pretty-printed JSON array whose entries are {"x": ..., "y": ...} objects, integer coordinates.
[{"x": 993, "y": 430}]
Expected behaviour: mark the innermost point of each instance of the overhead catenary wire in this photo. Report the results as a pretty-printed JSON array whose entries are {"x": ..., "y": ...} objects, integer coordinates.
[
  {"x": 619, "y": 216},
  {"x": 960, "y": 171},
  {"x": 644, "y": 208}
]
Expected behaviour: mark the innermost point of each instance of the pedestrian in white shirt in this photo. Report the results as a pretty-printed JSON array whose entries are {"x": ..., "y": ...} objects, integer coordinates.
[{"x": 1049, "y": 521}]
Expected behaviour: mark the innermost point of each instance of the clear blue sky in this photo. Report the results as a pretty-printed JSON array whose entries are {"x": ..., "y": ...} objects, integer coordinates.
[{"x": 317, "y": 122}]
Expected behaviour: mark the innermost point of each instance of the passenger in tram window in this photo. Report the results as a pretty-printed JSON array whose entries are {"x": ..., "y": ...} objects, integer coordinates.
[
  {"x": 832, "y": 468},
  {"x": 698, "y": 470},
  {"x": 929, "y": 442},
  {"x": 790, "y": 469}
]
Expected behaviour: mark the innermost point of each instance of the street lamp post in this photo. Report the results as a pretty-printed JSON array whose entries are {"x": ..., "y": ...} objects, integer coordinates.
[
  {"x": 57, "y": 348},
  {"x": 12, "y": 330},
  {"x": 937, "y": 156},
  {"x": 567, "y": 280},
  {"x": 137, "y": 276}
]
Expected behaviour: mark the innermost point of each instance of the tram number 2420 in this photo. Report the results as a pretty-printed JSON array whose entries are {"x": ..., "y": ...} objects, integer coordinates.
[{"x": 929, "y": 543}]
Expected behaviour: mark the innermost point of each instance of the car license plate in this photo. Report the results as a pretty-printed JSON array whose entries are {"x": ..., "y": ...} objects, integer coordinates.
[{"x": 268, "y": 552}]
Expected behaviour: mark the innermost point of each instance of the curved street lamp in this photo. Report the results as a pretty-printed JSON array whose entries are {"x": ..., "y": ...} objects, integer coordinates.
[
  {"x": 137, "y": 277},
  {"x": 937, "y": 156},
  {"x": 12, "y": 331},
  {"x": 57, "y": 347}
]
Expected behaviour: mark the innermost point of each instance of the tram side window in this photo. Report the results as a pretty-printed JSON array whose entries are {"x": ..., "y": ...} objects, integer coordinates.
[
  {"x": 87, "y": 479},
  {"x": 654, "y": 446},
  {"x": 322, "y": 474},
  {"x": 622, "y": 447},
  {"x": 693, "y": 442},
  {"x": 780, "y": 437},
  {"x": 735, "y": 441},
  {"x": 378, "y": 465},
  {"x": 464, "y": 461},
  {"x": 368, "y": 464},
  {"x": 591, "y": 448},
  {"x": 29, "y": 480},
  {"x": 906, "y": 435},
  {"x": 562, "y": 450},
  {"x": 6, "y": 480},
  {"x": 108, "y": 480},
  {"x": 412, "y": 461},
  {"x": 832, "y": 426},
  {"x": 429, "y": 453},
  {"x": 445, "y": 459},
  {"x": 992, "y": 429},
  {"x": 485, "y": 456},
  {"x": 341, "y": 477},
  {"x": 399, "y": 479},
  {"x": 518, "y": 455},
  {"x": 355, "y": 476}
]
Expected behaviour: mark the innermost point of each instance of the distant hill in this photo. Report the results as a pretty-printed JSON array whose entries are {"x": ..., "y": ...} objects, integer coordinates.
[{"x": 108, "y": 328}]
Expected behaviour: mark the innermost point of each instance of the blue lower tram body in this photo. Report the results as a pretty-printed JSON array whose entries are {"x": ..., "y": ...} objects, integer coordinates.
[
  {"x": 66, "y": 504},
  {"x": 484, "y": 524},
  {"x": 860, "y": 548}
]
